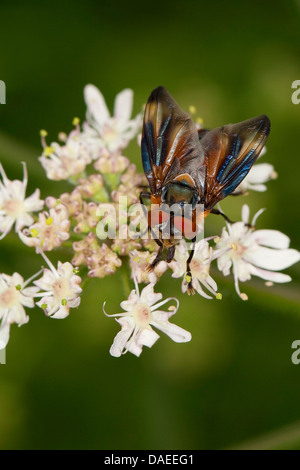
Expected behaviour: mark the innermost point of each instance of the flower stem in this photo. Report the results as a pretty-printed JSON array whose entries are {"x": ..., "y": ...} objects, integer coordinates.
[
  {"x": 85, "y": 282},
  {"x": 125, "y": 277}
]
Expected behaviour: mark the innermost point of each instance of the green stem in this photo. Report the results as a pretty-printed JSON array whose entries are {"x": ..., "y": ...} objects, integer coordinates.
[
  {"x": 125, "y": 277},
  {"x": 111, "y": 180},
  {"x": 85, "y": 282},
  {"x": 73, "y": 180},
  {"x": 67, "y": 244}
]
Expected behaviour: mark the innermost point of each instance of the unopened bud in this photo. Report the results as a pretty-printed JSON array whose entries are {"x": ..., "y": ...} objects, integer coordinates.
[{"x": 244, "y": 296}]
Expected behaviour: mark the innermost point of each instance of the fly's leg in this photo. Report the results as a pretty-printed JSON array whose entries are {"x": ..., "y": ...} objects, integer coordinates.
[
  {"x": 171, "y": 249},
  {"x": 158, "y": 256},
  {"x": 218, "y": 212},
  {"x": 239, "y": 193},
  {"x": 145, "y": 195},
  {"x": 170, "y": 253},
  {"x": 188, "y": 274},
  {"x": 159, "y": 243}
]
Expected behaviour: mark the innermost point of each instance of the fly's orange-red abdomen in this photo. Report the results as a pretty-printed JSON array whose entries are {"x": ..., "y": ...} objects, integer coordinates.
[
  {"x": 186, "y": 226},
  {"x": 157, "y": 217}
]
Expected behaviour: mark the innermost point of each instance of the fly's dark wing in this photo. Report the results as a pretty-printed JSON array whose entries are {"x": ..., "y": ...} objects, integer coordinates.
[
  {"x": 229, "y": 153},
  {"x": 170, "y": 144}
]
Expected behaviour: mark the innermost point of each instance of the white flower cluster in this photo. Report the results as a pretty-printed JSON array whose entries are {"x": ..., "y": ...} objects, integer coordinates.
[
  {"x": 101, "y": 141},
  {"x": 142, "y": 312},
  {"x": 72, "y": 219},
  {"x": 15, "y": 208},
  {"x": 103, "y": 136},
  {"x": 58, "y": 289}
]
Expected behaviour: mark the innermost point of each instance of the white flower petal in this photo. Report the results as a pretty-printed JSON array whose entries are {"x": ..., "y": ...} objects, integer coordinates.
[
  {"x": 197, "y": 287},
  {"x": 4, "y": 335},
  {"x": 241, "y": 268},
  {"x": 258, "y": 213},
  {"x": 260, "y": 173},
  {"x": 96, "y": 104},
  {"x": 149, "y": 296},
  {"x": 268, "y": 258},
  {"x": 122, "y": 337},
  {"x": 18, "y": 315},
  {"x": 27, "y": 300},
  {"x": 5, "y": 226},
  {"x": 258, "y": 187},
  {"x": 27, "y": 239},
  {"x": 135, "y": 349},
  {"x": 176, "y": 333},
  {"x": 75, "y": 302},
  {"x": 15, "y": 279},
  {"x": 46, "y": 281},
  {"x": 269, "y": 275},
  {"x": 65, "y": 269},
  {"x": 123, "y": 105},
  {"x": 211, "y": 282},
  {"x": 224, "y": 262},
  {"x": 238, "y": 230},
  {"x": 33, "y": 203},
  {"x": 146, "y": 337},
  {"x": 23, "y": 220},
  {"x": 245, "y": 214},
  {"x": 132, "y": 300},
  {"x": 236, "y": 279},
  {"x": 163, "y": 302},
  {"x": 271, "y": 238},
  {"x": 62, "y": 313}
]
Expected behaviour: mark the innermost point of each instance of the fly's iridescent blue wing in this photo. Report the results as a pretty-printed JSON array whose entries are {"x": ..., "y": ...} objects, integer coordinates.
[
  {"x": 170, "y": 144},
  {"x": 229, "y": 153}
]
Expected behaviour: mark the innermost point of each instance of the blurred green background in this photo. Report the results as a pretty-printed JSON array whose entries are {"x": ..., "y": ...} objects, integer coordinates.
[{"x": 234, "y": 385}]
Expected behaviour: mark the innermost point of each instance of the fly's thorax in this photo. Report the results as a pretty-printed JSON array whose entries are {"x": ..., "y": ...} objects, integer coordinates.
[{"x": 179, "y": 194}]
